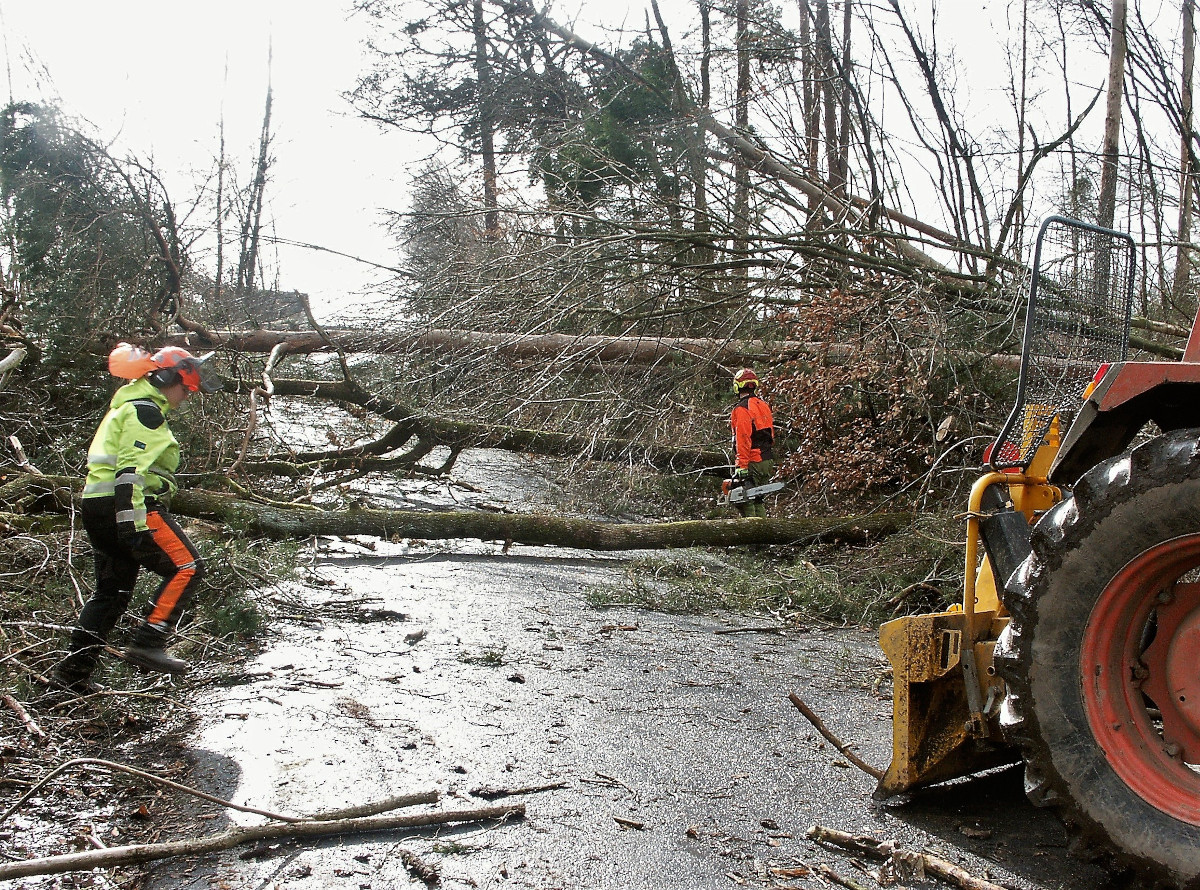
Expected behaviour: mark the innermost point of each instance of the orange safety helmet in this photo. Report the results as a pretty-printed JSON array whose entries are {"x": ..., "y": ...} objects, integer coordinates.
[
  {"x": 744, "y": 378},
  {"x": 167, "y": 366},
  {"x": 174, "y": 363}
]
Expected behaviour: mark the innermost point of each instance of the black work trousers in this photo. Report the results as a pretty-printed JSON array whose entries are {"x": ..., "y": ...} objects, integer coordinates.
[{"x": 166, "y": 550}]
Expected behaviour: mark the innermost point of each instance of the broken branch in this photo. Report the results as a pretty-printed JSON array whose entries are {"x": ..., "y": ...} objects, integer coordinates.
[
  {"x": 136, "y": 853},
  {"x": 488, "y": 792},
  {"x": 30, "y": 724},
  {"x": 150, "y": 777},
  {"x": 22, "y": 460},
  {"x": 831, "y": 875},
  {"x": 374, "y": 808},
  {"x": 876, "y": 849},
  {"x": 832, "y": 739}
]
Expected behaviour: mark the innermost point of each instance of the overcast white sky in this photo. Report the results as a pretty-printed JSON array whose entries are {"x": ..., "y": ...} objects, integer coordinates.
[
  {"x": 152, "y": 76},
  {"x": 156, "y": 77}
]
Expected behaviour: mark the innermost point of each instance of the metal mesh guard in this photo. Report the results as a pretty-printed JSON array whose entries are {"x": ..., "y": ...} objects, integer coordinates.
[{"x": 1080, "y": 298}]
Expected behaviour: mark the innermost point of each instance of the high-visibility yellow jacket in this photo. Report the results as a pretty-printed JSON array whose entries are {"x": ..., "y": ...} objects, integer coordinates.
[{"x": 134, "y": 454}]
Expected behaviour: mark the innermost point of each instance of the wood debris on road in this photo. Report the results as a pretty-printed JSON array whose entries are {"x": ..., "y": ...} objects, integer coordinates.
[
  {"x": 875, "y": 848},
  {"x": 832, "y": 739},
  {"x": 830, "y": 875},
  {"x": 309, "y": 828},
  {"x": 31, "y": 725},
  {"x": 489, "y": 792}
]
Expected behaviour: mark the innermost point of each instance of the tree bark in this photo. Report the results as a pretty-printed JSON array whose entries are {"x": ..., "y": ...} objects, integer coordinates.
[
  {"x": 1183, "y": 234},
  {"x": 280, "y": 523},
  {"x": 808, "y": 94},
  {"x": 252, "y": 224},
  {"x": 131, "y": 855},
  {"x": 1107, "y": 204},
  {"x": 640, "y": 350},
  {"x": 483, "y": 76},
  {"x": 843, "y": 139},
  {"x": 824, "y": 38},
  {"x": 741, "y": 106},
  {"x": 260, "y": 520},
  {"x": 701, "y": 223}
]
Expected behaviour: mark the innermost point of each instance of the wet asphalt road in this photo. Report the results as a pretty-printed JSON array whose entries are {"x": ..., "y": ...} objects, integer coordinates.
[{"x": 516, "y": 680}]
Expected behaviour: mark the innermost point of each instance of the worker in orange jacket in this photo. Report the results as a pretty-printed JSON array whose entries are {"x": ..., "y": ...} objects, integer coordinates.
[{"x": 753, "y": 438}]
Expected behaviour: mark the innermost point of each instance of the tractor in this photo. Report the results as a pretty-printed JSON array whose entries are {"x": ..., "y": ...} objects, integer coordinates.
[{"x": 1076, "y": 648}]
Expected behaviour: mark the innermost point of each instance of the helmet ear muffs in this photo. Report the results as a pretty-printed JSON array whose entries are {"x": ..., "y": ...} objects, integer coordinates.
[{"x": 163, "y": 377}]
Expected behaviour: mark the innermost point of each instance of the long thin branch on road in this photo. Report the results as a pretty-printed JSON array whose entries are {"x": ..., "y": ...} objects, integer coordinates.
[
  {"x": 138, "y": 853},
  {"x": 816, "y": 721},
  {"x": 150, "y": 777}
]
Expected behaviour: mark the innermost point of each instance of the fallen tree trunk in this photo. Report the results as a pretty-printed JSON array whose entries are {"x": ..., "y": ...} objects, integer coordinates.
[
  {"x": 278, "y": 523},
  {"x": 283, "y": 523},
  {"x": 460, "y": 434},
  {"x": 137, "y": 853},
  {"x": 570, "y": 347}
]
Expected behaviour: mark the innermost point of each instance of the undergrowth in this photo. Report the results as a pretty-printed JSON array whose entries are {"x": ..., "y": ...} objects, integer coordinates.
[
  {"x": 913, "y": 571},
  {"x": 47, "y": 576},
  {"x": 138, "y": 719},
  {"x": 634, "y": 493}
]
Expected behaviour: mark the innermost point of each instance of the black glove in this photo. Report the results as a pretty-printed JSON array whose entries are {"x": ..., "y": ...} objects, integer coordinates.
[{"x": 140, "y": 543}]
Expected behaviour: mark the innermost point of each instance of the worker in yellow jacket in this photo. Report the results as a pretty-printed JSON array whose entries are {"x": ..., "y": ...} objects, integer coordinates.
[{"x": 131, "y": 477}]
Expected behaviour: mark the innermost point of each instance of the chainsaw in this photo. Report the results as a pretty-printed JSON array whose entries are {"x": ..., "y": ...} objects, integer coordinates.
[{"x": 733, "y": 494}]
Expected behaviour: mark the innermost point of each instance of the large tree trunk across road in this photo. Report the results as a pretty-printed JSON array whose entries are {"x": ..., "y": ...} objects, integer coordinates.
[
  {"x": 523, "y": 528},
  {"x": 26, "y": 494},
  {"x": 578, "y": 347}
]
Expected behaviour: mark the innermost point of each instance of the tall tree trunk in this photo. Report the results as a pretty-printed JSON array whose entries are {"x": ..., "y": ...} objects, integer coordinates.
[
  {"x": 843, "y": 139},
  {"x": 824, "y": 38},
  {"x": 700, "y": 219},
  {"x": 1107, "y": 205},
  {"x": 808, "y": 98},
  {"x": 1018, "y": 228},
  {"x": 1183, "y": 258},
  {"x": 220, "y": 212},
  {"x": 741, "y": 196},
  {"x": 487, "y": 124},
  {"x": 252, "y": 224}
]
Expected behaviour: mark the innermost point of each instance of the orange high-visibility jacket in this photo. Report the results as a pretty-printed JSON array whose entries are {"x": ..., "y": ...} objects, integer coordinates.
[{"x": 753, "y": 430}]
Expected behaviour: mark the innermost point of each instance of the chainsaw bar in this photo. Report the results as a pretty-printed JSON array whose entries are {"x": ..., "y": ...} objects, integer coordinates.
[{"x": 742, "y": 495}]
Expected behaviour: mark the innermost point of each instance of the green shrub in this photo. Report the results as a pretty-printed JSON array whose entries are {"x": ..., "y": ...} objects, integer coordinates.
[{"x": 857, "y": 585}]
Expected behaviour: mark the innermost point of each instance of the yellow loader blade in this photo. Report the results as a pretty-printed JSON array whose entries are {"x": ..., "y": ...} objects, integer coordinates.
[{"x": 931, "y": 739}]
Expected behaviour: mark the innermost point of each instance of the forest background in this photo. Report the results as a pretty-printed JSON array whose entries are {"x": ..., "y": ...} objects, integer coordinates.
[{"x": 608, "y": 222}]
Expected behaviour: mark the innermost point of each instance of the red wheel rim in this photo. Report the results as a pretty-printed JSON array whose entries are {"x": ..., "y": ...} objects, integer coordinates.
[{"x": 1116, "y": 668}]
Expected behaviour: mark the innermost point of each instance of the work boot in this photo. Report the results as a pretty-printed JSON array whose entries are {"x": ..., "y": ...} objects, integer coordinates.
[
  {"x": 155, "y": 659},
  {"x": 75, "y": 671},
  {"x": 72, "y": 680},
  {"x": 149, "y": 652}
]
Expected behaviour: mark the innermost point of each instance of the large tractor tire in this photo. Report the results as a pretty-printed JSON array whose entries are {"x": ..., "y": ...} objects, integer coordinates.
[{"x": 1102, "y": 658}]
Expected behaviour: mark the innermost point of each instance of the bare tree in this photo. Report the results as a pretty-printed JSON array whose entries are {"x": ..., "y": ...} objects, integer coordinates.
[
  {"x": 1106, "y": 207},
  {"x": 1183, "y": 258},
  {"x": 248, "y": 255}
]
